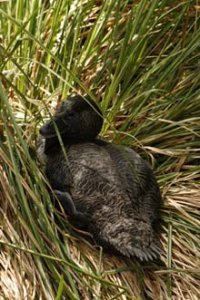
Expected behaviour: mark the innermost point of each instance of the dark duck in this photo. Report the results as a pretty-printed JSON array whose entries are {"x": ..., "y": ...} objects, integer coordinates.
[{"x": 107, "y": 187}]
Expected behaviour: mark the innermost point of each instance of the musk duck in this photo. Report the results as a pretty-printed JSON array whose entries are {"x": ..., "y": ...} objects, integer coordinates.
[{"x": 107, "y": 187}]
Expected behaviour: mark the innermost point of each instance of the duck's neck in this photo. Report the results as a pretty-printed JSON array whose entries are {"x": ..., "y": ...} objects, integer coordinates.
[{"x": 53, "y": 144}]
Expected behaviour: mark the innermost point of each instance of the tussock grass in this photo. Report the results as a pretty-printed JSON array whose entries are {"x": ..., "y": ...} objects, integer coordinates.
[{"x": 141, "y": 61}]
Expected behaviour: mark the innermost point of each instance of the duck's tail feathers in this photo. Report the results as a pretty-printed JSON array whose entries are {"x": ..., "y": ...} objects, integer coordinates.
[{"x": 133, "y": 239}]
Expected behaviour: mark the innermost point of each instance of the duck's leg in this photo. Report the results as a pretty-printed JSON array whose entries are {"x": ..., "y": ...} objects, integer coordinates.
[{"x": 69, "y": 207}]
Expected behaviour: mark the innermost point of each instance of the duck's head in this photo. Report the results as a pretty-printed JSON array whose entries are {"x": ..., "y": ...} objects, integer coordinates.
[{"x": 76, "y": 119}]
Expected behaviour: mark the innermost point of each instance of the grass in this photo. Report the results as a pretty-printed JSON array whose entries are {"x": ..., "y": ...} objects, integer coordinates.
[{"x": 141, "y": 61}]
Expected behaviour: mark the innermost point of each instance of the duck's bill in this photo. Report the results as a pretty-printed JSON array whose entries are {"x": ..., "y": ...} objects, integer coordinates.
[{"x": 53, "y": 128}]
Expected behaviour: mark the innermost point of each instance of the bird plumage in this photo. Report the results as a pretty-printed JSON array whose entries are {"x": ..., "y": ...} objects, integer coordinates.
[{"x": 111, "y": 185}]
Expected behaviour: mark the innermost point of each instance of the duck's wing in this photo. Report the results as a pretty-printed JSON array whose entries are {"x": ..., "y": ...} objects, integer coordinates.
[
  {"x": 137, "y": 179},
  {"x": 137, "y": 232}
]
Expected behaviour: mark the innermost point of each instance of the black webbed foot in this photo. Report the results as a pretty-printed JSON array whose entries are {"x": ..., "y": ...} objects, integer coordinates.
[{"x": 78, "y": 218}]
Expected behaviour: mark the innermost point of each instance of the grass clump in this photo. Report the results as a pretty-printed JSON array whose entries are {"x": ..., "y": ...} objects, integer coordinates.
[{"x": 141, "y": 61}]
